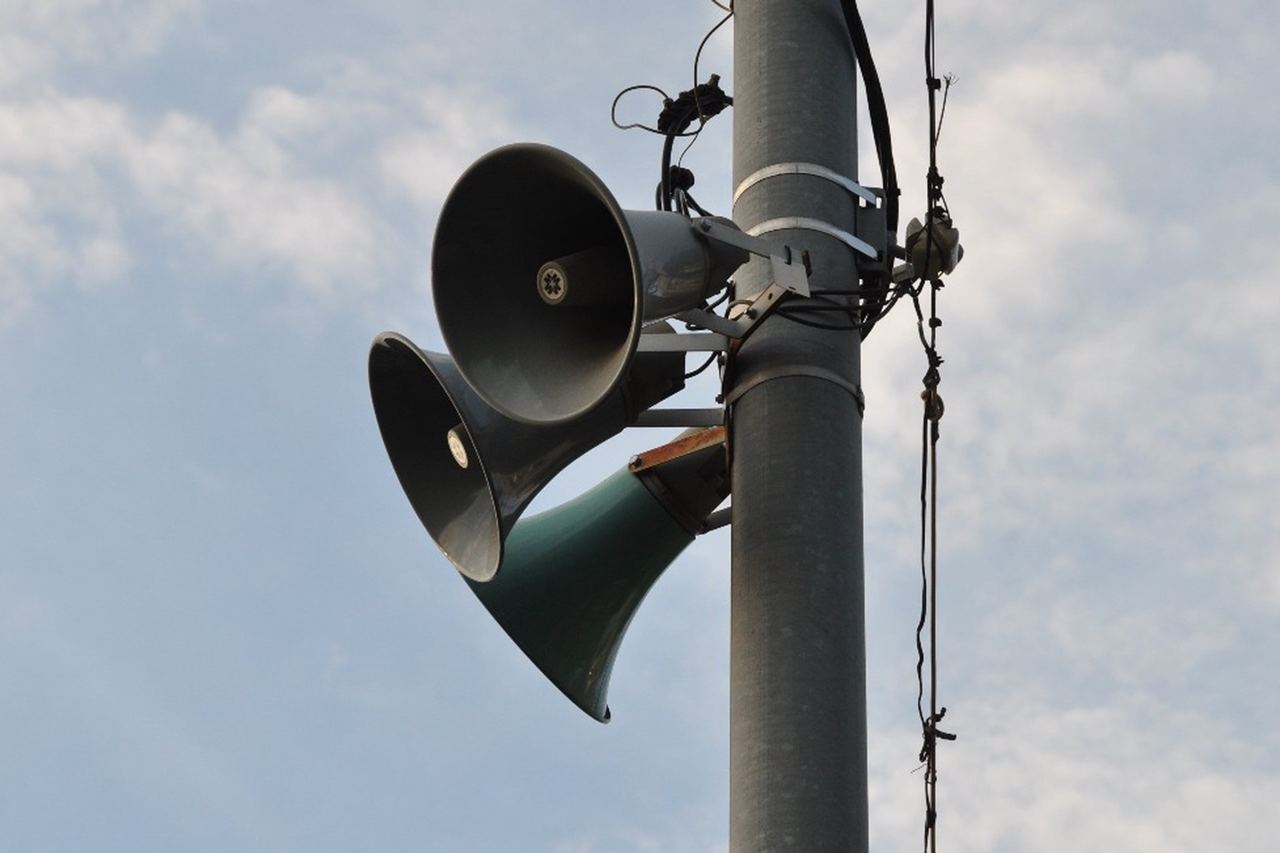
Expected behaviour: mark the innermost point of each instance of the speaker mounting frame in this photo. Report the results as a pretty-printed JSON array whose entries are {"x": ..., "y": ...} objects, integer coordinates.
[
  {"x": 788, "y": 267},
  {"x": 721, "y": 332}
]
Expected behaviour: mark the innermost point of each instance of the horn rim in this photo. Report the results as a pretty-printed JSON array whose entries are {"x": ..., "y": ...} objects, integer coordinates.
[
  {"x": 610, "y": 202},
  {"x": 390, "y": 341}
]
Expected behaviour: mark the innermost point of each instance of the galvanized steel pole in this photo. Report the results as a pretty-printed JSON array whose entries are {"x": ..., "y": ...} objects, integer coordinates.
[{"x": 798, "y": 672}]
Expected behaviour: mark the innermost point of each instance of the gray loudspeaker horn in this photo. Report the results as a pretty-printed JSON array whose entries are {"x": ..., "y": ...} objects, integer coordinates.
[
  {"x": 468, "y": 471},
  {"x": 542, "y": 281}
]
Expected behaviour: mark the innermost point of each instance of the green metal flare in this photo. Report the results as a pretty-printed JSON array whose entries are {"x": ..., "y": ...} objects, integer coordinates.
[{"x": 573, "y": 578}]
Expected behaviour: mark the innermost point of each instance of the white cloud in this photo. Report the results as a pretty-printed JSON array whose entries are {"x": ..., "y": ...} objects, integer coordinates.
[
  {"x": 1178, "y": 76},
  {"x": 240, "y": 196},
  {"x": 293, "y": 189},
  {"x": 1029, "y": 776},
  {"x": 246, "y": 199},
  {"x": 457, "y": 126},
  {"x": 40, "y": 38},
  {"x": 261, "y": 196}
]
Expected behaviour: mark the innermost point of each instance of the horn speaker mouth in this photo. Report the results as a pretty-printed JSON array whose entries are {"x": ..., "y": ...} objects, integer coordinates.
[
  {"x": 533, "y": 356},
  {"x": 434, "y": 456}
]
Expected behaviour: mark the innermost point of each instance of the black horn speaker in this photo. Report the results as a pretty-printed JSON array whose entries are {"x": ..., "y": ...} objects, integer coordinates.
[
  {"x": 468, "y": 471},
  {"x": 542, "y": 281}
]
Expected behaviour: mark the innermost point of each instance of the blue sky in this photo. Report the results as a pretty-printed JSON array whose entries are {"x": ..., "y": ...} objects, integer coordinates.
[{"x": 222, "y": 628}]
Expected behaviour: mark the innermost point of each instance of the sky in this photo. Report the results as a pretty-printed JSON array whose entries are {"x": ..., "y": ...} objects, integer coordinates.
[{"x": 222, "y": 627}]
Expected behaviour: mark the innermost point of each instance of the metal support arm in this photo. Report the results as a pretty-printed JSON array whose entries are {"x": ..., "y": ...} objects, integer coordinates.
[{"x": 787, "y": 267}]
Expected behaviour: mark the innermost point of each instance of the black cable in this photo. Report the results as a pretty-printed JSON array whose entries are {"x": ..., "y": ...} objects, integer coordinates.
[
  {"x": 794, "y": 306},
  {"x": 948, "y": 80},
  {"x": 935, "y": 211},
  {"x": 665, "y": 186},
  {"x": 613, "y": 110},
  {"x": 790, "y": 318},
  {"x": 703, "y": 102},
  {"x": 697, "y": 56},
  {"x": 924, "y": 576},
  {"x": 874, "y": 303},
  {"x": 710, "y": 359},
  {"x": 694, "y": 204},
  {"x": 723, "y": 296},
  {"x": 879, "y": 112}
]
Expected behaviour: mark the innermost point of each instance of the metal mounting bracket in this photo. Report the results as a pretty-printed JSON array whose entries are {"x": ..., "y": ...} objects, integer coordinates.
[
  {"x": 680, "y": 418},
  {"x": 721, "y": 330},
  {"x": 695, "y": 342},
  {"x": 786, "y": 266},
  {"x": 719, "y": 518},
  {"x": 682, "y": 446}
]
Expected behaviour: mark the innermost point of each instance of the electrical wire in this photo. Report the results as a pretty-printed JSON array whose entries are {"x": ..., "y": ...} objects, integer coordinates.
[
  {"x": 613, "y": 110},
  {"x": 948, "y": 80},
  {"x": 697, "y": 56},
  {"x": 879, "y": 112},
  {"x": 710, "y": 360},
  {"x": 694, "y": 204},
  {"x": 933, "y": 408}
]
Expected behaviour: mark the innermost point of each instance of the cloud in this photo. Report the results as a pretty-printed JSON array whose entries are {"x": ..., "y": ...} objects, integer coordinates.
[
  {"x": 294, "y": 190},
  {"x": 1176, "y": 76},
  {"x": 1127, "y": 776},
  {"x": 247, "y": 200},
  {"x": 43, "y": 38},
  {"x": 456, "y": 127},
  {"x": 240, "y": 197}
]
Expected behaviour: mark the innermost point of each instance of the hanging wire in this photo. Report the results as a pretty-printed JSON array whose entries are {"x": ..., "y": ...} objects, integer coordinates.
[
  {"x": 936, "y": 211},
  {"x": 710, "y": 360},
  {"x": 715, "y": 357},
  {"x": 700, "y": 103},
  {"x": 613, "y": 110},
  {"x": 697, "y": 56},
  {"x": 948, "y": 80}
]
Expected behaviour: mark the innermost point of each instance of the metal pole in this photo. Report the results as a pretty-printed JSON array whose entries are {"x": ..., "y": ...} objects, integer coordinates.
[{"x": 798, "y": 671}]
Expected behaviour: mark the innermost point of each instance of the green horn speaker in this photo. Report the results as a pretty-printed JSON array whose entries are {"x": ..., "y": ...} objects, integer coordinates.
[{"x": 575, "y": 575}]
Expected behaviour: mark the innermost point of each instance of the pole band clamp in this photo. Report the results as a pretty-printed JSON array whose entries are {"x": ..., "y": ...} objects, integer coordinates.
[
  {"x": 811, "y": 169},
  {"x": 804, "y": 223},
  {"x": 783, "y": 371}
]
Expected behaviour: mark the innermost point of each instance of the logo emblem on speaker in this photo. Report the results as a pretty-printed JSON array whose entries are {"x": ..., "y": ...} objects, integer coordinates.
[{"x": 553, "y": 283}]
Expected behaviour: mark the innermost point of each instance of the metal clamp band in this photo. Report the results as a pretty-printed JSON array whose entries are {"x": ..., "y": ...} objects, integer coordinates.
[
  {"x": 812, "y": 169},
  {"x": 797, "y": 370},
  {"x": 783, "y": 223}
]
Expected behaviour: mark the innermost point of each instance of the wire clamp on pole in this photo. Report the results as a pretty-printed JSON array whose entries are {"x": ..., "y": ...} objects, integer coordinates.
[
  {"x": 805, "y": 223},
  {"x": 759, "y": 378},
  {"x": 867, "y": 197}
]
